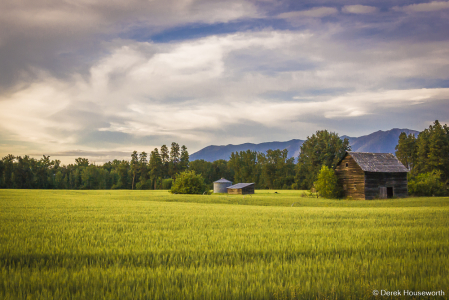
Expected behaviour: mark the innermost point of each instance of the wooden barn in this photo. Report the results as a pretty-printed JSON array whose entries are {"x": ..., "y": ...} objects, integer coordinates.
[
  {"x": 372, "y": 175},
  {"x": 241, "y": 189}
]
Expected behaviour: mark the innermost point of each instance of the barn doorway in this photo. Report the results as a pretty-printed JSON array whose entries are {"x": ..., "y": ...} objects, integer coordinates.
[{"x": 390, "y": 192}]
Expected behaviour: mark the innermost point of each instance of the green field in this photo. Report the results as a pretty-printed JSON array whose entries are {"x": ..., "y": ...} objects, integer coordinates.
[{"x": 154, "y": 245}]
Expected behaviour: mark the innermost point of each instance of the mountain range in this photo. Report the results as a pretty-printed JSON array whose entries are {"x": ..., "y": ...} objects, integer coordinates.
[{"x": 376, "y": 142}]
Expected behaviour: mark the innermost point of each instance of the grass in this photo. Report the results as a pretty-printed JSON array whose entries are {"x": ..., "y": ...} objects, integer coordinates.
[{"x": 154, "y": 245}]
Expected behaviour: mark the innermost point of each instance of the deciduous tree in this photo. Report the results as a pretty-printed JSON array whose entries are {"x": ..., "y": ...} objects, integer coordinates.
[
  {"x": 323, "y": 148},
  {"x": 189, "y": 182},
  {"x": 327, "y": 183}
]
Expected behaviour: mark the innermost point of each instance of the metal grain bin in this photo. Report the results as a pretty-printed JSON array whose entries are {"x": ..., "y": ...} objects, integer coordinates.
[{"x": 221, "y": 185}]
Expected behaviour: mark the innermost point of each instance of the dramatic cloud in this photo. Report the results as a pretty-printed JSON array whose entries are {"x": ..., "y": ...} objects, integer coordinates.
[
  {"x": 66, "y": 36},
  {"x": 88, "y": 78}
]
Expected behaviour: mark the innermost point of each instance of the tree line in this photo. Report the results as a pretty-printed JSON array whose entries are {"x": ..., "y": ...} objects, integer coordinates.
[
  {"x": 270, "y": 170},
  {"x": 155, "y": 171},
  {"x": 427, "y": 156}
]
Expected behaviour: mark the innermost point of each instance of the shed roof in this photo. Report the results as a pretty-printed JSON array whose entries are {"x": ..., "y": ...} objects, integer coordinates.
[
  {"x": 222, "y": 180},
  {"x": 239, "y": 185},
  {"x": 378, "y": 162}
]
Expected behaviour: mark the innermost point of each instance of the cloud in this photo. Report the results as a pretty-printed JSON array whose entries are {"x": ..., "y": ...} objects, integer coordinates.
[
  {"x": 423, "y": 7},
  {"x": 65, "y": 36},
  {"x": 317, "y": 12},
  {"x": 104, "y": 89},
  {"x": 359, "y": 9},
  {"x": 144, "y": 94},
  {"x": 363, "y": 103}
]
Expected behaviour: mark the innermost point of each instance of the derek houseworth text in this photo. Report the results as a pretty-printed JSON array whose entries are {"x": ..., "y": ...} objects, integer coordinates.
[{"x": 409, "y": 293}]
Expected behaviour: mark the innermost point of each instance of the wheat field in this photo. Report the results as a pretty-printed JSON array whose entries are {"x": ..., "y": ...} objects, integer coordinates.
[{"x": 154, "y": 245}]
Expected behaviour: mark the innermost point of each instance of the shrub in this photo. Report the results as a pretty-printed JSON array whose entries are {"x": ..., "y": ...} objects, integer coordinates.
[
  {"x": 427, "y": 184},
  {"x": 327, "y": 183},
  {"x": 189, "y": 183},
  {"x": 167, "y": 184}
]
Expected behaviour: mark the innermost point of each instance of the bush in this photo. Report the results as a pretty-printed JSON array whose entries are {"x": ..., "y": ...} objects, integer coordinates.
[
  {"x": 189, "y": 183},
  {"x": 427, "y": 184},
  {"x": 327, "y": 183},
  {"x": 167, "y": 184}
]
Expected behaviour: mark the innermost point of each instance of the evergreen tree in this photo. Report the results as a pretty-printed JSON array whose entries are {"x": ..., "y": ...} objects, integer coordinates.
[
  {"x": 143, "y": 171},
  {"x": 174, "y": 160},
  {"x": 134, "y": 168},
  {"x": 432, "y": 151},
  {"x": 406, "y": 150},
  {"x": 8, "y": 170},
  {"x": 165, "y": 157},
  {"x": 402, "y": 150},
  {"x": 438, "y": 157},
  {"x": 155, "y": 169},
  {"x": 184, "y": 159},
  {"x": 422, "y": 152}
]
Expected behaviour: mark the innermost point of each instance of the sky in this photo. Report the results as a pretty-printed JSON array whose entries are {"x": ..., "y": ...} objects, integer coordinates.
[{"x": 99, "y": 79}]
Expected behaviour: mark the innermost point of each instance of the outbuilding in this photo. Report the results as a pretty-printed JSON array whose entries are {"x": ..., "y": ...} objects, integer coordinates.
[
  {"x": 241, "y": 189},
  {"x": 372, "y": 175},
  {"x": 220, "y": 185}
]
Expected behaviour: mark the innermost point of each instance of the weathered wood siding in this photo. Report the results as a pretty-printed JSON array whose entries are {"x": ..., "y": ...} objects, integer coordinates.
[
  {"x": 374, "y": 181},
  {"x": 243, "y": 191},
  {"x": 351, "y": 178},
  {"x": 235, "y": 191},
  {"x": 248, "y": 190}
]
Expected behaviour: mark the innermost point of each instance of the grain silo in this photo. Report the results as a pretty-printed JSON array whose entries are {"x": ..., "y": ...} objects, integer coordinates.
[{"x": 221, "y": 185}]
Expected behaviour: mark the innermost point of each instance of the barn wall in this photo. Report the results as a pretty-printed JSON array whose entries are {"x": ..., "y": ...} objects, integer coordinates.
[
  {"x": 243, "y": 191},
  {"x": 373, "y": 182},
  {"x": 235, "y": 191},
  {"x": 248, "y": 190},
  {"x": 351, "y": 178}
]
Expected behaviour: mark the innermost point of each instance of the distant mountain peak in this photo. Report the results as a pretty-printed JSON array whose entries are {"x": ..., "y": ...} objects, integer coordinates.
[{"x": 376, "y": 142}]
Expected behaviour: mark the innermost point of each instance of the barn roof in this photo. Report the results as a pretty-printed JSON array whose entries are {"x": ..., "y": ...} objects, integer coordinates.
[
  {"x": 239, "y": 185},
  {"x": 378, "y": 162},
  {"x": 222, "y": 180}
]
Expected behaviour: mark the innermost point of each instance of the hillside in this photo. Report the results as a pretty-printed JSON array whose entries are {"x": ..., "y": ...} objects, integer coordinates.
[
  {"x": 212, "y": 153},
  {"x": 377, "y": 142}
]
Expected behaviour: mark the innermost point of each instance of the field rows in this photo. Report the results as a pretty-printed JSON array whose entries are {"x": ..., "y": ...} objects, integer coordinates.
[{"x": 142, "y": 245}]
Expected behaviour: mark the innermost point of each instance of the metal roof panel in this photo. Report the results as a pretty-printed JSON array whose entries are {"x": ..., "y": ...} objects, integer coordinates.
[
  {"x": 378, "y": 162},
  {"x": 239, "y": 185},
  {"x": 223, "y": 180}
]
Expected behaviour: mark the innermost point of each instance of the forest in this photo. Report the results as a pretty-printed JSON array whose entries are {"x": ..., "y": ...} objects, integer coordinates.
[{"x": 427, "y": 156}]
